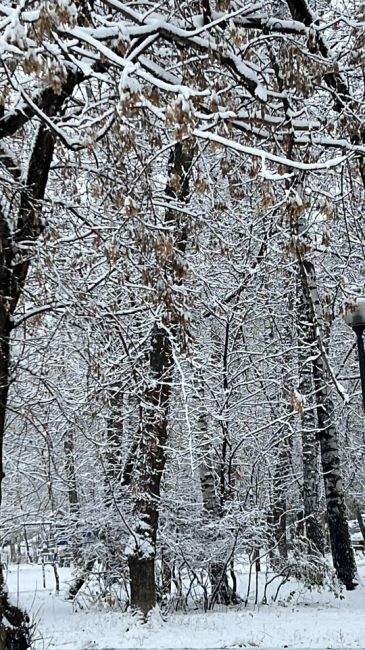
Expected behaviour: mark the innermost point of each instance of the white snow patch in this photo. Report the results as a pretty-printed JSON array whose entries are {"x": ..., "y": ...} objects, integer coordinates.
[{"x": 307, "y": 620}]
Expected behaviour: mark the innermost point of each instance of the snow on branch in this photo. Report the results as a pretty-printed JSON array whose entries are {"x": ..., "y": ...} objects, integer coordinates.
[{"x": 266, "y": 155}]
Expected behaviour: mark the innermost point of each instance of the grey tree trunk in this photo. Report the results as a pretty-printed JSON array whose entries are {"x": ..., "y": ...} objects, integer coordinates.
[
  {"x": 360, "y": 521},
  {"x": 342, "y": 551},
  {"x": 69, "y": 449},
  {"x": 114, "y": 456},
  {"x": 280, "y": 490},
  {"x": 310, "y": 443},
  {"x": 282, "y": 461},
  {"x": 211, "y": 487}
]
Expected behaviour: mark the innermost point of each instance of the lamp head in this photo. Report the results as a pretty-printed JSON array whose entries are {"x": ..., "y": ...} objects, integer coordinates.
[{"x": 354, "y": 313}]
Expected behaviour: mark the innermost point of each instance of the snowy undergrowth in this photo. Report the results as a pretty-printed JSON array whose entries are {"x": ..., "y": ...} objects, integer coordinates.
[{"x": 299, "y": 619}]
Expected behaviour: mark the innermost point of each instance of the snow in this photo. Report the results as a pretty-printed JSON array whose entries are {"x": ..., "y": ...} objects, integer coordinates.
[
  {"x": 261, "y": 93},
  {"x": 259, "y": 153},
  {"x": 303, "y": 620}
]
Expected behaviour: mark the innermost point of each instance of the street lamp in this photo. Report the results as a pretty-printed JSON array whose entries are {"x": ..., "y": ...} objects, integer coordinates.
[{"x": 354, "y": 315}]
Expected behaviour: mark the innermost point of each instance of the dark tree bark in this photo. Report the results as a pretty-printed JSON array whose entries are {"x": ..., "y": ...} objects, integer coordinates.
[
  {"x": 15, "y": 258},
  {"x": 13, "y": 272},
  {"x": 12, "y": 278},
  {"x": 148, "y": 470},
  {"x": 148, "y": 466},
  {"x": 207, "y": 12},
  {"x": 142, "y": 580},
  {"x": 336, "y": 82},
  {"x": 80, "y": 579}
]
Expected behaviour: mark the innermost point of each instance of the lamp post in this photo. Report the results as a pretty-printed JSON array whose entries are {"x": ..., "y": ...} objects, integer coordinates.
[{"x": 354, "y": 315}]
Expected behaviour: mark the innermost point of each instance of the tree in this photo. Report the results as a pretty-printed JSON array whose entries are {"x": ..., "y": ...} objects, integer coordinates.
[
  {"x": 237, "y": 104},
  {"x": 19, "y": 231}
]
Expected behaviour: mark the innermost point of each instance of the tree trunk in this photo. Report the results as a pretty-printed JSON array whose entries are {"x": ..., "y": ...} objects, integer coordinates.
[
  {"x": 148, "y": 466},
  {"x": 280, "y": 490},
  {"x": 166, "y": 575},
  {"x": 73, "y": 498},
  {"x": 148, "y": 469},
  {"x": 142, "y": 577},
  {"x": 282, "y": 443},
  {"x": 310, "y": 443},
  {"x": 12, "y": 277},
  {"x": 80, "y": 579},
  {"x": 311, "y": 481},
  {"x": 17, "y": 234},
  {"x": 342, "y": 551},
  {"x": 360, "y": 521},
  {"x": 213, "y": 502},
  {"x": 16, "y": 637},
  {"x": 226, "y": 460}
]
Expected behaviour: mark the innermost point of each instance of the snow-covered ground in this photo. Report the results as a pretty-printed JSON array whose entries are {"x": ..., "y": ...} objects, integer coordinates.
[{"x": 307, "y": 620}]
